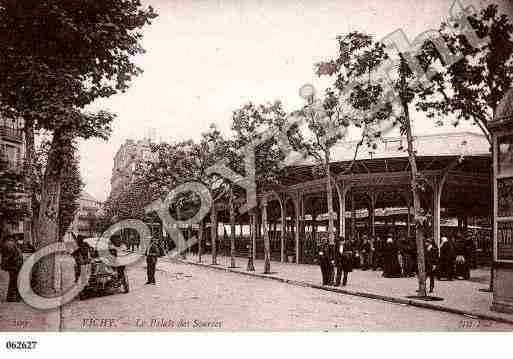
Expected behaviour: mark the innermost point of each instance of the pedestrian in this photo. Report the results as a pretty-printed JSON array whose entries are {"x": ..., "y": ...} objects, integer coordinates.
[
  {"x": 152, "y": 254},
  {"x": 355, "y": 245},
  {"x": 365, "y": 249},
  {"x": 413, "y": 255},
  {"x": 114, "y": 248},
  {"x": 12, "y": 261},
  {"x": 446, "y": 260},
  {"x": 408, "y": 253},
  {"x": 378, "y": 253},
  {"x": 343, "y": 260},
  {"x": 470, "y": 249},
  {"x": 131, "y": 242},
  {"x": 431, "y": 260},
  {"x": 402, "y": 249},
  {"x": 331, "y": 268},
  {"x": 82, "y": 255},
  {"x": 391, "y": 266},
  {"x": 372, "y": 242},
  {"x": 462, "y": 269},
  {"x": 324, "y": 263}
]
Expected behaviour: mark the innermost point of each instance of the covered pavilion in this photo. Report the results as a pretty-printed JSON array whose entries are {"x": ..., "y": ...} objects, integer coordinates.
[{"x": 455, "y": 168}]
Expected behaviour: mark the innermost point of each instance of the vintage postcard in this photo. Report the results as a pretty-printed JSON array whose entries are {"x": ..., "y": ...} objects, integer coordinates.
[{"x": 255, "y": 165}]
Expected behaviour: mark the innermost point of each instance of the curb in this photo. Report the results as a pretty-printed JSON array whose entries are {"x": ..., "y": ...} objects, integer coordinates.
[{"x": 384, "y": 298}]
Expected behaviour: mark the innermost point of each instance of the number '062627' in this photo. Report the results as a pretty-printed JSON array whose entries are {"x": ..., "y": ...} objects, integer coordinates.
[{"x": 20, "y": 345}]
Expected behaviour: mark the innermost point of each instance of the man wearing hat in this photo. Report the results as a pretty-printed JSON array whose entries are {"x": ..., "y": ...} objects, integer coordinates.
[
  {"x": 431, "y": 262},
  {"x": 446, "y": 259},
  {"x": 152, "y": 253},
  {"x": 12, "y": 261}
]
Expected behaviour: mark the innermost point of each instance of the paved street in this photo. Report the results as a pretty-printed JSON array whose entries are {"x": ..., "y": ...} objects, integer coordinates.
[{"x": 190, "y": 298}]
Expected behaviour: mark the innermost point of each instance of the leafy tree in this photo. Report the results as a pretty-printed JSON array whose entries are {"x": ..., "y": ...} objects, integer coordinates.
[
  {"x": 130, "y": 202},
  {"x": 326, "y": 127},
  {"x": 356, "y": 93},
  {"x": 471, "y": 88},
  {"x": 386, "y": 99},
  {"x": 173, "y": 164},
  {"x": 211, "y": 150},
  {"x": 406, "y": 92},
  {"x": 252, "y": 125},
  {"x": 58, "y": 56},
  {"x": 178, "y": 163}
]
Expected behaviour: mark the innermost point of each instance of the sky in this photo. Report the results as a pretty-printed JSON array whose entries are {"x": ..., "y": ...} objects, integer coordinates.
[{"x": 206, "y": 58}]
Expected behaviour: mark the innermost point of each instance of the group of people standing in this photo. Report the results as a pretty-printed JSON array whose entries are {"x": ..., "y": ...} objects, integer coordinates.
[
  {"x": 457, "y": 257},
  {"x": 396, "y": 258},
  {"x": 336, "y": 260}
]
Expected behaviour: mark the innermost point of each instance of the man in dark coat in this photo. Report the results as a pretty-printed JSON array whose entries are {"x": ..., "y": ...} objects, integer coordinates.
[
  {"x": 12, "y": 261},
  {"x": 431, "y": 259},
  {"x": 323, "y": 259},
  {"x": 413, "y": 255},
  {"x": 408, "y": 250},
  {"x": 365, "y": 252},
  {"x": 378, "y": 253},
  {"x": 152, "y": 253},
  {"x": 470, "y": 249},
  {"x": 331, "y": 267},
  {"x": 446, "y": 269},
  {"x": 343, "y": 255},
  {"x": 82, "y": 255}
]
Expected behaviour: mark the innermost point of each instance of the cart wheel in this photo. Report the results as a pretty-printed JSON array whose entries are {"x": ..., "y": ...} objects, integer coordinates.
[{"x": 126, "y": 286}]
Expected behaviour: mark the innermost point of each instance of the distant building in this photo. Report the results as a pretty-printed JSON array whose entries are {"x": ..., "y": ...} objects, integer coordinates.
[
  {"x": 125, "y": 162},
  {"x": 84, "y": 221},
  {"x": 12, "y": 152}
]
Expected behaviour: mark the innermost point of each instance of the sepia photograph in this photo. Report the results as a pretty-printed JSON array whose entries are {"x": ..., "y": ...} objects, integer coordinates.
[{"x": 219, "y": 166}]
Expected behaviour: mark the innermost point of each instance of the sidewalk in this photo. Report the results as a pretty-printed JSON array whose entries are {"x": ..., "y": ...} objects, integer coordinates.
[
  {"x": 459, "y": 296},
  {"x": 15, "y": 317}
]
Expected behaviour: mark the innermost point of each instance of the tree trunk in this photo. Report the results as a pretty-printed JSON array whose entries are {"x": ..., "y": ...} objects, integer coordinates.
[
  {"x": 329, "y": 190},
  {"x": 28, "y": 225},
  {"x": 416, "y": 205},
  {"x": 353, "y": 217},
  {"x": 267, "y": 249},
  {"x": 200, "y": 240},
  {"x": 213, "y": 233},
  {"x": 48, "y": 228},
  {"x": 232, "y": 232},
  {"x": 252, "y": 243}
]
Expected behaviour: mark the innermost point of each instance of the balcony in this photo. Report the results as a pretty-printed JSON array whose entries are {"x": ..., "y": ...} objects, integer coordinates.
[
  {"x": 7, "y": 164},
  {"x": 11, "y": 134}
]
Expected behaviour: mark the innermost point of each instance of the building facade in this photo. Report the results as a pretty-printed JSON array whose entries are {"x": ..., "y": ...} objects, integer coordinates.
[
  {"x": 125, "y": 162},
  {"x": 84, "y": 221},
  {"x": 12, "y": 152}
]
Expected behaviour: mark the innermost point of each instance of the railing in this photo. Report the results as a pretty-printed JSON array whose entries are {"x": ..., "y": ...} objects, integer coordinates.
[{"x": 11, "y": 134}]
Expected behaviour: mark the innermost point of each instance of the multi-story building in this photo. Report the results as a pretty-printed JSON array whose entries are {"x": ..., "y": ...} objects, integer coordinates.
[
  {"x": 125, "y": 162},
  {"x": 84, "y": 221},
  {"x": 12, "y": 151}
]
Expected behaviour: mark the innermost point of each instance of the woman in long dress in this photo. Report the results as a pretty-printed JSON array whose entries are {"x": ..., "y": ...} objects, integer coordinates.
[{"x": 392, "y": 269}]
